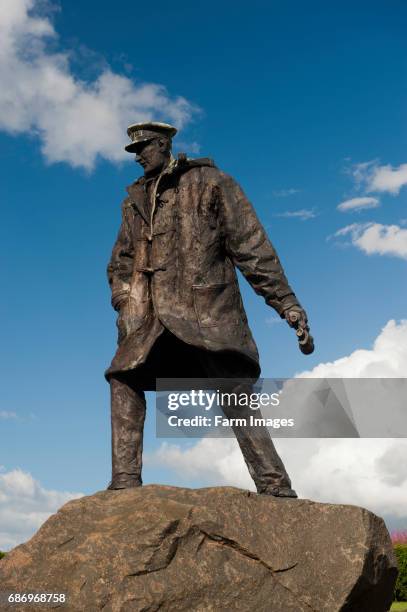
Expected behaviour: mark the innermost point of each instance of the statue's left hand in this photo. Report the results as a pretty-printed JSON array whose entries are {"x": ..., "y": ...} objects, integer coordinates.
[{"x": 297, "y": 318}]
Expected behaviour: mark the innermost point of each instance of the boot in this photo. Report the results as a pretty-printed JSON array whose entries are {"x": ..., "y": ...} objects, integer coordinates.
[
  {"x": 128, "y": 410},
  {"x": 263, "y": 462}
]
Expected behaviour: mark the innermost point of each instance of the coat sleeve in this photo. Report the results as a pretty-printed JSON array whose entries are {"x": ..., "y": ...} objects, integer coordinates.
[
  {"x": 250, "y": 249},
  {"x": 120, "y": 267}
]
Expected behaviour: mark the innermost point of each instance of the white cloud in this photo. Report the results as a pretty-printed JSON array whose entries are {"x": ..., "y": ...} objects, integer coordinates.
[
  {"x": 386, "y": 178},
  {"x": 210, "y": 459},
  {"x": 6, "y": 414},
  {"x": 365, "y": 472},
  {"x": 344, "y": 471},
  {"x": 358, "y": 204},
  {"x": 373, "y": 177},
  {"x": 77, "y": 121},
  {"x": 387, "y": 358},
  {"x": 375, "y": 238},
  {"x": 304, "y": 214},
  {"x": 24, "y": 506},
  {"x": 362, "y": 172}
]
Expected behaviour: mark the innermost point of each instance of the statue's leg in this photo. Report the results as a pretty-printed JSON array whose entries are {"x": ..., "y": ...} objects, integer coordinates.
[
  {"x": 128, "y": 410},
  {"x": 261, "y": 457}
]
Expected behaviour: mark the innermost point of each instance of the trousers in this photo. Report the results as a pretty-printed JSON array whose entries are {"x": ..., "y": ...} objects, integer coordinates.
[{"x": 172, "y": 358}]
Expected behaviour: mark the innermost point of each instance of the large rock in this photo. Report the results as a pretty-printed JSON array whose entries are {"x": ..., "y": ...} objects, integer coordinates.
[{"x": 167, "y": 548}]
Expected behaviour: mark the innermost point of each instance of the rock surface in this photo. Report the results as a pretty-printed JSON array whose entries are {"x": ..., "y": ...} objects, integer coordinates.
[{"x": 216, "y": 549}]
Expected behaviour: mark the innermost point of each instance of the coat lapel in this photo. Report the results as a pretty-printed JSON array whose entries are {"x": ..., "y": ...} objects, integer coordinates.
[
  {"x": 138, "y": 198},
  {"x": 138, "y": 194}
]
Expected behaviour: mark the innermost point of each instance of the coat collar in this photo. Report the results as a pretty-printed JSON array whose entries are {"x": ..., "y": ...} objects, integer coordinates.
[{"x": 138, "y": 193}]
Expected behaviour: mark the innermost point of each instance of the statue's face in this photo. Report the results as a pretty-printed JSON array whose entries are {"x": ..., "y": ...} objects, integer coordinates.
[{"x": 153, "y": 155}]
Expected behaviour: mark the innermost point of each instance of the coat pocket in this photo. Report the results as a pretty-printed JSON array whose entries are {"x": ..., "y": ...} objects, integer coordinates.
[{"x": 216, "y": 305}]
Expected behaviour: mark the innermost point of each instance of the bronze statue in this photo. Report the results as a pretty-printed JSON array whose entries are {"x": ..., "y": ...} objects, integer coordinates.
[{"x": 185, "y": 227}]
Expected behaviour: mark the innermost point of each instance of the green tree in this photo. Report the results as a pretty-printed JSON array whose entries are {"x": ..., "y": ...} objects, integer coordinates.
[{"x": 400, "y": 591}]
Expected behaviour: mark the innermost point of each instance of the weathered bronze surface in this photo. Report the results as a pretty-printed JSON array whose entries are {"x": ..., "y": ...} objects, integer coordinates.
[{"x": 185, "y": 227}]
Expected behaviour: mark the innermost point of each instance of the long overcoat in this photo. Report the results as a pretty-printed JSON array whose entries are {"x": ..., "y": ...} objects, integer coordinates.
[{"x": 173, "y": 265}]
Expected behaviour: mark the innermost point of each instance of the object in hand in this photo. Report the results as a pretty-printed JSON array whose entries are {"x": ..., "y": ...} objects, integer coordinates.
[{"x": 305, "y": 340}]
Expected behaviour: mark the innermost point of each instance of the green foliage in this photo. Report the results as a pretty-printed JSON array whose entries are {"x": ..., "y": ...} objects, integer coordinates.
[
  {"x": 2, "y": 554},
  {"x": 400, "y": 592},
  {"x": 399, "y": 606}
]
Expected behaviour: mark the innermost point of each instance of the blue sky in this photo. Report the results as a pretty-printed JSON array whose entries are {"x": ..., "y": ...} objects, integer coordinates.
[{"x": 292, "y": 99}]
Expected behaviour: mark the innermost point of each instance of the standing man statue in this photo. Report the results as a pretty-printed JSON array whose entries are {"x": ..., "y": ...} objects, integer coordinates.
[{"x": 185, "y": 227}]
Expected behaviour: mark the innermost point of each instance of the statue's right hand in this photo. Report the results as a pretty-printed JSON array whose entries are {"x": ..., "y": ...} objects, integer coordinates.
[
  {"x": 129, "y": 319},
  {"x": 123, "y": 322}
]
